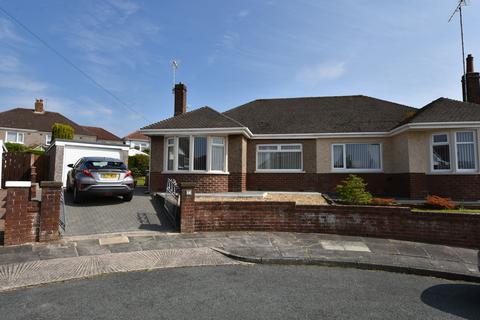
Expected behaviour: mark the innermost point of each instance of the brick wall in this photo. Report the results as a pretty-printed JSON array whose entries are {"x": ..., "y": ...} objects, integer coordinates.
[
  {"x": 459, "y": 187},
  {"x": 29, "y": 220},
  {"x": 21, "y": 217},
  {"x": 282, "y": 181},
  {"x": 383, "y": 222},
  {"x": 205, "y": 182}
]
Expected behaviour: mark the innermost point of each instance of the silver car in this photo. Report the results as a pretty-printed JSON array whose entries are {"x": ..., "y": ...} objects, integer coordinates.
[{"x": 100, "y": 176}]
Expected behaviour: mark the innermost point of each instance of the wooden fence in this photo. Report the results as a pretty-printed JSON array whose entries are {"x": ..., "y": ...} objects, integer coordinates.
[{"x": 16, "y": 166}]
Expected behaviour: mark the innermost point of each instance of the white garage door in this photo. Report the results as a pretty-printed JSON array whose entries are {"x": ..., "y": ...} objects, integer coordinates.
[{"x": 73, "y": 153}]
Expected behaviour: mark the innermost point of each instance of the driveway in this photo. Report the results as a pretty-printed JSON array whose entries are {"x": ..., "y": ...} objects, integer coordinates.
[{"x": 112, "y": 214}]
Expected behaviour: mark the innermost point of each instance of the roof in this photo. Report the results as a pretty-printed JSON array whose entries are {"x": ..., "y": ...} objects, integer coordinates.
[
  {"x": 320, "y": 115},
  {"x": 137, "y": 135},
  {"x": 447, "y": 110},
  {"x": 22, "y": 118},
  {"x": 204, "y": 117},
  {"x": 102, "y": 134}
]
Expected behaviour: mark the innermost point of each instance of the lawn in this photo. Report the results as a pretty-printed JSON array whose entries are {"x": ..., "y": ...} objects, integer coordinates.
[{"x": 468, "y": 211}]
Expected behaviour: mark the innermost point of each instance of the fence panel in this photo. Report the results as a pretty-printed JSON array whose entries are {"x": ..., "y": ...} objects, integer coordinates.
[{"x": 16, "y": 166}]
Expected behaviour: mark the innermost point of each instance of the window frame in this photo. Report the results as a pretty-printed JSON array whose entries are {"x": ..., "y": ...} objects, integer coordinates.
[
  {"x": 279, "y": 149},
  {"x": 191, "y": 150},
  {"x": 433, "y": 143},
  {"x": 344, "y": 151},
  {"x": 47, "y": 140},
  {"x": 456, "y": 143},
  {"x": 17, "y": 133}
]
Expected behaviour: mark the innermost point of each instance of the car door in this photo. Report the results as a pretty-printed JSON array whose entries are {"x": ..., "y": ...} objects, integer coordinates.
[{"x": 73, "y": 173}]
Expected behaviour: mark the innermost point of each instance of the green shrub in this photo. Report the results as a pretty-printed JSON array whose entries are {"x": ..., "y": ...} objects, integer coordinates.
[
  {"x": 15, "y": 147},
  {"x": 62, "y": 131},
  {"x": 138, "y": 164},
  {"x": 147, "y": 151},
  {"x": 353, "y": 190}
]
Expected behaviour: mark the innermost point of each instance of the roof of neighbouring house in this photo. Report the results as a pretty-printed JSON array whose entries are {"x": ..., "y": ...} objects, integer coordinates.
[
  {"x": 320, "y": 115},
  {"x": 102, "y": 134},
  {"x": 22, "y": 118},
  {"x": 204, "y": 117},
  {"x": 447, "y": 110},
  {"x": 137, "y": 135}
]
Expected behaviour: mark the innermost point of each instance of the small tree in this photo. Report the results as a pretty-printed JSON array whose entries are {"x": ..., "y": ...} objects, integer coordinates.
[
  {"x": 62, "y": 131},
  {"x": 138, "y": 164},
  {"x": 353, "y": 190}
]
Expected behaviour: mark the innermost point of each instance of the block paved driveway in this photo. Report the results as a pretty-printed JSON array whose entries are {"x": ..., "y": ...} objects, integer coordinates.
[{"x": 98, "y": 215}]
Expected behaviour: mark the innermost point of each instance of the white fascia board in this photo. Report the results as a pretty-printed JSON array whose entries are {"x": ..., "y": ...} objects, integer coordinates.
[
  {"x": 18, "y": 129},
  {"x": 83, "y": 144},
  {"x": 435, "y": 125},
  {"x": 321, "y": 135},
  {"x": 162, "y": 132}
]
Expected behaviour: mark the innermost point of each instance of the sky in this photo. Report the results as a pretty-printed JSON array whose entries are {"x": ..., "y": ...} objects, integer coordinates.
[{"x": 229, "y": 53}]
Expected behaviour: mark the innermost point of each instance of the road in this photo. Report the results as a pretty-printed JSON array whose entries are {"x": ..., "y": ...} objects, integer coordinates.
[{"x": 247, "y": 292}]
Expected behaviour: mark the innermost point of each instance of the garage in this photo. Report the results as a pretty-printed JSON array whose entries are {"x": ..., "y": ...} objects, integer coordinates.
[{"x": 64, "y": 152}]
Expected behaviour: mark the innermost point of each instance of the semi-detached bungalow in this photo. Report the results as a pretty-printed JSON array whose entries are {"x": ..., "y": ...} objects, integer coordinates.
[{"x": 311, "y": 144}]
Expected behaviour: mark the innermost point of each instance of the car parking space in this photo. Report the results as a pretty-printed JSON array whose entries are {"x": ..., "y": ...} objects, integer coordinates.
[{"x": 97, "y": 215}]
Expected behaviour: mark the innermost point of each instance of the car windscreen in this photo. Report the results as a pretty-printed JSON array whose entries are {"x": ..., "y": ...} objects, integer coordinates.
[{"x": 109, "y": 165}]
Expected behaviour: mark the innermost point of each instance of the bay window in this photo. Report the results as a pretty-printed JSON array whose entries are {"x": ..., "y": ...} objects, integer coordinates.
[
  {"x": 15, "y": 137},
  {"x": 462, "y": 152},
  {"x": 279, "y": 157},
  {"x": 357, "y": 156},
  {"x": 195, "y": 154}
]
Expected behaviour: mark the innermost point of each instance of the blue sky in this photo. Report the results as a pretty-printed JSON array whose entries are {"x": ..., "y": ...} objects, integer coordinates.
[{"x": 230, "y": 52}]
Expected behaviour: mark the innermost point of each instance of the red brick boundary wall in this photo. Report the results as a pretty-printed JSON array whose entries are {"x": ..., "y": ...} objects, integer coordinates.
[
  {"x": 29, "y": 220},
  {"x": 383, "y": 222}
]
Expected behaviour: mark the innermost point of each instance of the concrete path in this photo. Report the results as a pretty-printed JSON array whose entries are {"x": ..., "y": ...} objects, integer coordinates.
[{"x": 263, "y": 247}]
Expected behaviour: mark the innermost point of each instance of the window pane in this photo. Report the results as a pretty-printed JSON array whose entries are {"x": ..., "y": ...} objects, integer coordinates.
[
  {"x": 267, "y": 148},
  {"x": 171, "y": 141},
  {"x": 280, "y": 160},
  {"x": 465, "y": 137},
  {"x": 183, "y": 153},
  {"x": 338, "y": 156},
  {"x": 218, "y": 157},
  {"x": 217, "y": 140},
  {"x": 170, "y": 158},
  {"x": 291, "y": 147},
  {"x": 362, "y": 156},
  {"x": 20, "y": 137},
  {"x": 440, "y": 138},
  {"x": 466, "y": 156},
  {"x": 441, "y": 157},
  {"x": 200, "y": 153},
  {"x": 11, "y": 137}
]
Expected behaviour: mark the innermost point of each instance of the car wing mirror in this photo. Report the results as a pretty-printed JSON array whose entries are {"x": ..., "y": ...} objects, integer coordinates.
[{"x": 70, "y": 165}]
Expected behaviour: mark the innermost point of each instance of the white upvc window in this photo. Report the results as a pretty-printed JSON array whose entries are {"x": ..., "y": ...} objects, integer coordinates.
[
  {"x": 279, "y": 158},
  {"x": 466, "y": 151},
  {"x": 440, "y": 154},
  {"x": 195, "y": 154},
  {"x": 48, "y": 139},
  {"x": 14, "y": 137},
  {"x": 359, "y": 157}
]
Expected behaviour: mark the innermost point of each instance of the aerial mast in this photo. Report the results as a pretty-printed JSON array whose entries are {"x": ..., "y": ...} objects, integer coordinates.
[{"x": 458, "y": 9}]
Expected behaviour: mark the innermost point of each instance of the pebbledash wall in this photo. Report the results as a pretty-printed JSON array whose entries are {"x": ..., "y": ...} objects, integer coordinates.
[
  {"x": 405, "y": 161},
  {"x": 383, "y": 222}
]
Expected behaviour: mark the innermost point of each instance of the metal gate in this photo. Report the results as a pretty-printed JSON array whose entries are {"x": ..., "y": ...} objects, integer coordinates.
[{"x": 172, "y": 203}]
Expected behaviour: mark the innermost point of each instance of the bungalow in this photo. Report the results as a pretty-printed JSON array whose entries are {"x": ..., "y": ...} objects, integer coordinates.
[{"x": 312, "y": 143}]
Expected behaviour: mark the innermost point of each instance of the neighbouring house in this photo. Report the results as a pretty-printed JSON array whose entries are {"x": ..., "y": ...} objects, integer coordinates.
[
  {"x": 103, "y": 136},
  {"x": 33, "y": 127},
  {"x": 313, "y": 143},
  {"x": 137, "y": 140}
]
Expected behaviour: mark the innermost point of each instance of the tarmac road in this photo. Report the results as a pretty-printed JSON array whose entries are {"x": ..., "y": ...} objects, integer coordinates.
[{"x": 247, "y": 292}]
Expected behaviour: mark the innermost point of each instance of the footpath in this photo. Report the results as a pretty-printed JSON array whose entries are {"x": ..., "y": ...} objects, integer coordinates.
[{"x": 86, "y": 256}]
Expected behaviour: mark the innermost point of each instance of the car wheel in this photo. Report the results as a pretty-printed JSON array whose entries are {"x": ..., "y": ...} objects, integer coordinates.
[
  {"x": 76, "y": 195},
  {"x": 128, "y": 197},
  {"x": 69, "y": 185}
]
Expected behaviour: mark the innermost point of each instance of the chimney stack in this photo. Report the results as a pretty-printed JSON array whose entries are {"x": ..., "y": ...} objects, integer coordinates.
[
  {"x": 39, "y": 106},
  {"x": 471, "y": 81},
  {"x": 180, "y": 92}
]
